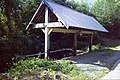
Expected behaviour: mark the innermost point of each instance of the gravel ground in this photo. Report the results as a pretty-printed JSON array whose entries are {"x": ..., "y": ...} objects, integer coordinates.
[{"x": 94, "y": 62}]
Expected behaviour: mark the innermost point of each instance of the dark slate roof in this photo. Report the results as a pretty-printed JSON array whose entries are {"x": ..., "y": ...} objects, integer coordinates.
[{"x": 72, "y": 18}]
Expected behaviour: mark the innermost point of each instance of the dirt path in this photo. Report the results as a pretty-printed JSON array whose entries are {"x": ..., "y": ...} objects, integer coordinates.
[{"x": 94, "y": 63}]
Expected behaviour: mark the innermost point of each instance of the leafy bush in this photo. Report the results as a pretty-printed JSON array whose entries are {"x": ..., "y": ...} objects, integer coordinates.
[
  {"x": 40, "y": 66},
  {"x": 40, "y": 69},
  {"x": 100, "y": 47}
]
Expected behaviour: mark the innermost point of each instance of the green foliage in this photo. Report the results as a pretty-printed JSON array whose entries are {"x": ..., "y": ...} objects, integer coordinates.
[
  {"x": 65, "y": 66},
  {"x": 102, "y": 73},
  {"x": 79, "y": 75},
  {"x": 82, "y": 6},
  {"x": 35, "y": 64},
  {"x": 106, "y": 10},
  {"x": 30, "y": 67},
  {"x": 63, "y": 2},
  {"x": 102, "y": 47},
  {"x": 96, "y": 47}
]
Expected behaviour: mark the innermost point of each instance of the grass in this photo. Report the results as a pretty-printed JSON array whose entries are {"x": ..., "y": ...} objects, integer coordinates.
[
  {"x": 39, "y": 69},
  {"x": 102, "y": 73},
  {"x": 115, "y": 48},
  {"x": 31, "y": 68},
  {"x": 101, "y": 47}
]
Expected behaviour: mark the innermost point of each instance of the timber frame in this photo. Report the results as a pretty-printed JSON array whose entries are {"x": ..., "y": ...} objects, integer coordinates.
[
  {"x": 49, "y": 21},
  {"x": 58, "y": 27}
]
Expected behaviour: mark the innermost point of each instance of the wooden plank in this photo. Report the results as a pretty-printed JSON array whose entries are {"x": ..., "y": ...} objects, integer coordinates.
[
  {"x": 40, "y": 25},
  {"x": 70, "y": 49},
  {"x": 55, "y": 24},
  {"x": 49, "y": 25},
  {"x": 86, "y": 32},
  {"x": 64, "y": 30},
  {"x": 60, "y": 30}
]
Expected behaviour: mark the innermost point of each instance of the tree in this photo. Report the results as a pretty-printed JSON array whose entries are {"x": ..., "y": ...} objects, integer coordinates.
[
  {"x": 82, "y": 6},
  {"x": 63, "y": 2},
  {"x": 14, "y": 16},
  {"x": 108, "y": 13},
  {"x": 106, "y": 10}
]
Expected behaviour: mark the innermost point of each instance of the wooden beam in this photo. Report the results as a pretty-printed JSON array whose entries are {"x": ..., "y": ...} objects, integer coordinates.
[
  {"x": 65, "y": 30},
  {"x": 86, "y": 32},
  {"x": 40, "y": 25},
  {"x": 55, "y": 24},
  {"x": 50, "y": 30},
  {"x": 71, "y": 31},
  {"x": 43, "y": 30},
  {"x": 69, "y": 49},
  {"x": 49, "y": 25},
  {"x": 46, "y": 34},
  {"x": 75, "y": 44},
  {"x": 90, "y": 42}
]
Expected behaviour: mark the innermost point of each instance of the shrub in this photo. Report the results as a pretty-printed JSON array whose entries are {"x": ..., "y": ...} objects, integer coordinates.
[
  {"x": 37, "y": 66},
  {"x": 40, "y": 69}
]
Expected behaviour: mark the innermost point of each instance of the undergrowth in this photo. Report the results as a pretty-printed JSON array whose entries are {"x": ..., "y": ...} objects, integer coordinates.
[
  {"x": 40, "y": 69},
  {"x": 101, "y": 47}
]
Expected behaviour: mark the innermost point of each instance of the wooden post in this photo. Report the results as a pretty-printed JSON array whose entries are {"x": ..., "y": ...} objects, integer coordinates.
[
  {"x": 75, "y": 44},
  {"x": 90, "y": 42},
  {"x": 46, "y": 34}
]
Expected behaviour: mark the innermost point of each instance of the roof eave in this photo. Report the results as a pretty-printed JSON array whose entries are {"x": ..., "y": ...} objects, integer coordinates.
[
  {"x": 91, "y": 29},
  {"x": 34, "y": 15}
]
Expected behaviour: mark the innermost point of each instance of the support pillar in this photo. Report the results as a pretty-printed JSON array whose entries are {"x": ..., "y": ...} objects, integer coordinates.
[
  {"x": 75, "y": 44},
  {"x": 46, "y": 34},
  {"x": 90, "y": 42}
]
